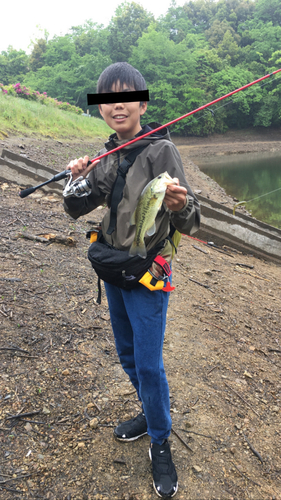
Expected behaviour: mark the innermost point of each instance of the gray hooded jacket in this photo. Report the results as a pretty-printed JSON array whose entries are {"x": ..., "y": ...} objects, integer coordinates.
[{"x": 159, "y": 156}]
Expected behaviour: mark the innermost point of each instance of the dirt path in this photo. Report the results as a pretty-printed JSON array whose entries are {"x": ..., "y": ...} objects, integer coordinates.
[{"x": 222, "y": 356}]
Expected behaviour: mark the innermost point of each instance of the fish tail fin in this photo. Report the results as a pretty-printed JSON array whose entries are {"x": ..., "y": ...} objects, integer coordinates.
[{"x": 138, "y": 250}]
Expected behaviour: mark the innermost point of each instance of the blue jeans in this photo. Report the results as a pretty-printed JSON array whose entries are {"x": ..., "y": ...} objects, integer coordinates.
[{"x": 138, "y": 319}]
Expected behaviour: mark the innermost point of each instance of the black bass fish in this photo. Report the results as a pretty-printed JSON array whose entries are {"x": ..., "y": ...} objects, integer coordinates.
[{"x": 144, "y": 216}]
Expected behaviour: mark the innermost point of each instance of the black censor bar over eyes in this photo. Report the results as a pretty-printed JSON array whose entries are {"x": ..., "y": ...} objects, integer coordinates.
[{"x": 109, "y": 97}]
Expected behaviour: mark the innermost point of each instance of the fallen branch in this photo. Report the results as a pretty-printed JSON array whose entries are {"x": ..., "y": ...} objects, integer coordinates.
[
  {"x": 255, "y": 452},
  {"x": 182, "y": 440},
  {"x": 216, "y": 326},
  {"x": 20, "y": 415},
  {"x": 201, "y": 284},
  {"x": 244, "y": 401},
  {"x": 200, "y": 249},
  {"x": 246, "y": 477},
  {"x": 251, "y": 274},
  {"x": 13, "y": 349},
  {"x": 244, "y": 265},
  {"x": 197, "y": 433},
  {"x": 210, "y": 371},
  {"x": 15, "y": 479},
  {"x": 10, "y": 279},
  {"x": 49, "y": 238}
]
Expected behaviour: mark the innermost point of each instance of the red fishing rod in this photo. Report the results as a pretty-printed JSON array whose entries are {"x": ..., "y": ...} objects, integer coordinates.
[
  {"x": 65, "y": 173},
  {"x": 186, "y": 115}
]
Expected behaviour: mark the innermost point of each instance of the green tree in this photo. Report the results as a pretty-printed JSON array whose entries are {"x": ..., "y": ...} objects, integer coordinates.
[
  {"x": 59, "y": 49},
  {"x": 175, "y": 23},
  {"x": 13, "y": 65},
  {"x": 200, "y": 13},
  {"x": 126, "y": 27},
  {"x": 36, "y": 59},
  {"x": 90, "y": 38},
  {"x": 259, "y": 41},
  {"x": 228, "y": 49},
  {"x": 268, "y": 10}
]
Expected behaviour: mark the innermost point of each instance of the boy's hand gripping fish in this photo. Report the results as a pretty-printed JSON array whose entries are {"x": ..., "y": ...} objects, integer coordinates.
[{"x": 144, "y": 216}]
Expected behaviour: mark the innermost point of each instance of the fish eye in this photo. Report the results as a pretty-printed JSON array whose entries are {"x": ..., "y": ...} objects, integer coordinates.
[{"x": 159, "y": 176}]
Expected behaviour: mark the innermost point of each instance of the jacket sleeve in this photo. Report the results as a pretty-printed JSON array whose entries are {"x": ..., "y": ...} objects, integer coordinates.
[{"x": 187, "y": 220}]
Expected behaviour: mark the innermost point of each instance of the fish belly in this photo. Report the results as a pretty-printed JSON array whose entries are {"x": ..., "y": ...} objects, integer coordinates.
[{"x": 145, "y": 216}]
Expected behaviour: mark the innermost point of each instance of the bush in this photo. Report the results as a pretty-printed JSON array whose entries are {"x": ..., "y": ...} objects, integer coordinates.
[{"x": 32, "y": 95}]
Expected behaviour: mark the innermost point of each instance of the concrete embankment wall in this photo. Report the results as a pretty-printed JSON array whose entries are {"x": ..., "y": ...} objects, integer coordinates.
[
  {"x": 27, "y": 173},
  {"x": 218, "y": 224}
]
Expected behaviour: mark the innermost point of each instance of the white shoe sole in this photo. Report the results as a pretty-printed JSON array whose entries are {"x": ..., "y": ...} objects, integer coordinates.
[{"x": 129, "y": 439}]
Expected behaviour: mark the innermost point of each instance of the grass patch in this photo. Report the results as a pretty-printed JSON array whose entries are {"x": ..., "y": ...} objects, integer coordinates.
[{"x": 28, "y": 117}]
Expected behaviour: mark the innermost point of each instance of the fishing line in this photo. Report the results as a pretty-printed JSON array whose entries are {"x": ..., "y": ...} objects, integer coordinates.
[
  {"x": 231, "y": 101},
  {"x": 253, "y": 199},
  {"x": 187, "y": 114},
  {"x": 213, "y": 111},
  {"x": 66, "y": 173}
]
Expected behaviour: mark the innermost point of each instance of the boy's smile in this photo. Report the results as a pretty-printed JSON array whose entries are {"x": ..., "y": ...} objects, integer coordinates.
[{"x": 123, "y": 117}]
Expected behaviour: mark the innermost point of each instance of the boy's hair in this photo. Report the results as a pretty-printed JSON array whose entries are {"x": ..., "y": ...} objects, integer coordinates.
[{"x": 122, "y": 72}]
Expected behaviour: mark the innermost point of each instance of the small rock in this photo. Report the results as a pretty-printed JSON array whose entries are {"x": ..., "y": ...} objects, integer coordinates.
[
  {"x": 90, "y": 405},
  {"x": 238, "y": 426},
  {"x": 94, "y": 423},
  {"x": 247, "y": 374},
  {"x": 81, "y": 445},
  {"x": 46, "y": 411},
  {"x": 188, "y": 424},
  {"x": 275, "y": 409},
  {"x": 65, "y": 372},
  {"x": 208, "y": 272},
  {"x": 196, "y": 468},
  {"x": 197, "y": 191}
]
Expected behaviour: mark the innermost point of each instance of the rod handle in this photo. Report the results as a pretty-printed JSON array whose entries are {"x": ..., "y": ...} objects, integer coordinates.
[{"x": 27, "y": 192}]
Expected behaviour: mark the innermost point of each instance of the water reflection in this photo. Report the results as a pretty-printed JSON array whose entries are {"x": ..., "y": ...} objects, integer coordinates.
[{"x": 248, "y": 177}]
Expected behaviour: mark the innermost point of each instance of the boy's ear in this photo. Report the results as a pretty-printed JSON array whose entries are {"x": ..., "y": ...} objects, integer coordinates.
[
  {"x": 143, "y": 107},
  {"x": 100, "y": 109}
]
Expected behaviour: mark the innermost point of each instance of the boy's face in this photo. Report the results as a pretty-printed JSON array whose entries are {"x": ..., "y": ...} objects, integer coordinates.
[{"x": 123, "y": 117}]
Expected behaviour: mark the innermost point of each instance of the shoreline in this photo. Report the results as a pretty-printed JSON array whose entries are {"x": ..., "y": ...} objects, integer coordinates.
[{"x": 56, "y": 153}]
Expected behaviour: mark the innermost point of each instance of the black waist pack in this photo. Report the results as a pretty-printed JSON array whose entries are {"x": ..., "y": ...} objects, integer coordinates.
[{"x": 116, "y": 267}]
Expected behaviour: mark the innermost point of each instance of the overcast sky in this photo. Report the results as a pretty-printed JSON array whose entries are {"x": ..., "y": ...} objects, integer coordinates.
[{"x": 19, "y": 18}]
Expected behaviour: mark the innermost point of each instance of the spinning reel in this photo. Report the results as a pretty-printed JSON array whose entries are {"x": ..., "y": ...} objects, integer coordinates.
[{"x": 79, "y": 188}]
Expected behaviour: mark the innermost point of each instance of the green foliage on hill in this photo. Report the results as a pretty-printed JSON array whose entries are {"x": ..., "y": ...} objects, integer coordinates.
[
  {"x": 25, "y": 116},
  {"x": 189, "y": 56}
]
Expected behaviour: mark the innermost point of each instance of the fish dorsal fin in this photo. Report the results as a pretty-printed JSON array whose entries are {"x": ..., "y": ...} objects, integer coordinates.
[{"x": 151, "y": 230}]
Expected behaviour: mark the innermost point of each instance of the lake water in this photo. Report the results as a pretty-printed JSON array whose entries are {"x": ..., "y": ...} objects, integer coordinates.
[{"x": 250, "y": 177}]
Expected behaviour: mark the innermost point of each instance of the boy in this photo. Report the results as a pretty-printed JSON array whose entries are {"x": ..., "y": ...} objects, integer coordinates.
[{"x": 138, "y": 316}]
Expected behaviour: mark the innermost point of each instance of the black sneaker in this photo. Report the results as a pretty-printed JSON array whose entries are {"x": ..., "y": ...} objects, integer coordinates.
[
  {"x": 165, "y": 480},
  {"x": 132, "y": 429}
]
